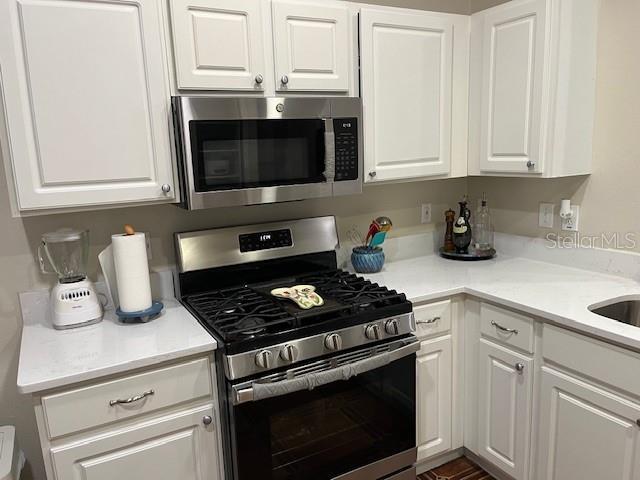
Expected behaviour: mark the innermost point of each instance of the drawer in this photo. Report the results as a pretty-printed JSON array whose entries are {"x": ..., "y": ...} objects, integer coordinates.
[
  {"x": 507, "y": 327},
  {"x": 433, "y": 319},
  {"x": 605, "y": 363},
  {"x": 94, "y": 405}
]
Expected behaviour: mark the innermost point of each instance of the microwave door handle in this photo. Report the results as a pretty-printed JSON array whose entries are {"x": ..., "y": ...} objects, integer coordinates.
[
  {"x": 260, "y": 391},
  {"x": 329, "y": 151}
]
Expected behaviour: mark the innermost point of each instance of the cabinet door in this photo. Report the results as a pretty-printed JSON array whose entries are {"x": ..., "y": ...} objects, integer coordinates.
[
  {"x": 218, "y": 44},
  {"x": 86, "y": 100},
  {"x": 178, "y": 446},
  {"x": 504, "y": 402},
  {"x": 434, "y": 390},
  {"x": 513, "y": 56},
  {"x": 311, "y": 44},
  {"x": 407, "y": 63},
  {"x": 585, "y": 432}
]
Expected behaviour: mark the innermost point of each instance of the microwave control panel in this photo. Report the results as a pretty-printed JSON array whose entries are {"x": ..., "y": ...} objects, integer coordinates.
[
  {"x": 346, "y": 146},
  {"x": 252, "y": 242}
]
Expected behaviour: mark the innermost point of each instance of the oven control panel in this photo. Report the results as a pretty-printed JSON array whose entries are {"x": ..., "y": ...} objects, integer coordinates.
[
  {"x": 252, "y": 242},
  {"x": 346, "y": 147}
]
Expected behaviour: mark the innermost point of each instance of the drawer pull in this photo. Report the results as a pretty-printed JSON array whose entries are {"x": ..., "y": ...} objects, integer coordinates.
[
  {"x": 504, "y": 329},
  {"x": 519, "y": 367},
  {"x": 135, "y": 398},
  {"x": 428, "y": 322}
]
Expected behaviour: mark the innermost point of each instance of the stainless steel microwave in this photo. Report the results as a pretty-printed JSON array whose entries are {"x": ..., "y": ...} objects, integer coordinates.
[{"x": 247, "y": 151}]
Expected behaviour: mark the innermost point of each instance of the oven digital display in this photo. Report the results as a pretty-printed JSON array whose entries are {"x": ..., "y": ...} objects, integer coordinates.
[{"x": 251, "y": 242}]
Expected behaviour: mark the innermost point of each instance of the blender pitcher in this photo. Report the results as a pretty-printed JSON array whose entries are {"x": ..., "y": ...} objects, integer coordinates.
[{"x": 66, "y": 251}]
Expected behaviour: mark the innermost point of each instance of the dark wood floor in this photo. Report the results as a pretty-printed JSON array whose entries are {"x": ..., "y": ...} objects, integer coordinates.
[{"x": 458, "y": 469}]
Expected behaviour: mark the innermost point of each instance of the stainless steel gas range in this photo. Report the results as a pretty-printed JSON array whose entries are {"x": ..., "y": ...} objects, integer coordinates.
[{"x": 326, "y": 392}]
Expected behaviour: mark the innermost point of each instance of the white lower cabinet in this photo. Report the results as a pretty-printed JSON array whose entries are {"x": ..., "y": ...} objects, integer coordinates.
[
  {"x": 434, "y": 374},
  {"x": 586, "y": 433},
  {"x": 504, "y": 408},
  {"x": 177, "y": 446}
]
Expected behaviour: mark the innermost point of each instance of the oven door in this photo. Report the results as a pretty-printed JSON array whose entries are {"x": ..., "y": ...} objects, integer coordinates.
[
  {"x": 351, "y": 416},
  {"x": 241, "y": 151}
]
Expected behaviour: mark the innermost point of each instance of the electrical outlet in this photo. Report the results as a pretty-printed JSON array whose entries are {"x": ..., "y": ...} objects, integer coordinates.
[
  {"x": 545, "y": 217},
  {"x": 426, "y": 213},
  {"x": 571, "y": 224}
]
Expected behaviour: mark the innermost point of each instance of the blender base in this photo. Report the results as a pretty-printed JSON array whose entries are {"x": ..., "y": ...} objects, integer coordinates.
[{"x": 74, "y": 305}]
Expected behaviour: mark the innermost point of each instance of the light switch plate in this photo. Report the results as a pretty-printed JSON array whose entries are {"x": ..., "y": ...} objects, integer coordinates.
[
  {"x": 545, "y": 216},
  {"x": 425, "y": 213}
]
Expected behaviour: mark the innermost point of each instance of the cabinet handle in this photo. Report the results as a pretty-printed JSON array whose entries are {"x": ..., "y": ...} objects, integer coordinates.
[
  {"x": 372, "y": 174},
  {"x": 531, "y": 164},
  {"x": 284, "y": 79},
  {"x": 638, "y": 422},
  {"x": 428, "y": 322},
  {"x": 519, "y": 367},
  {"x": 504, "y": 329},
  {"x": 259, "y": 79},
  {"x": 166, "y": 188},
  {"x": 207, "y": 420},
  {"x": 135, "y": 398}
]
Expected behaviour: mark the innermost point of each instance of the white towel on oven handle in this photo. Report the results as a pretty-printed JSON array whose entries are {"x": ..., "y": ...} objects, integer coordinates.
[{"x": 310, "y": 381}]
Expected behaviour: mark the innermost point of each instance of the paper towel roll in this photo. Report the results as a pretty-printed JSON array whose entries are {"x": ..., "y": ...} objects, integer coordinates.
[{"x": 132, "y": 271}]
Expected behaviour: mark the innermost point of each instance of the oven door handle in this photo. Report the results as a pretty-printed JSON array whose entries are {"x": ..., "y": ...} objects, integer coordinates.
[
  {"x": 260, "y": 391},
  {"x": 329, "y": 151}
]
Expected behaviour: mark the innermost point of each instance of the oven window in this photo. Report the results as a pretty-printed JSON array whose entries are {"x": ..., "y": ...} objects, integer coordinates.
[
  {"x": 330, "y": 430},
  {"x": 233, "y": 154}
]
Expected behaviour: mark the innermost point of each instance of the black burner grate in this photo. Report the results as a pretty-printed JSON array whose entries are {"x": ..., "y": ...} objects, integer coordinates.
[
  {"x": 249, "y": 312},
  {"x": 238, "y": 313},
  {"x": 351, "y": 289}
]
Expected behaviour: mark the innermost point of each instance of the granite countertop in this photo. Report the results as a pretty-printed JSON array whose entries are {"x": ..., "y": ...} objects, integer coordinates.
[
  {"x": 52, "y": 358},
  {"x": 559, "y": 294}
]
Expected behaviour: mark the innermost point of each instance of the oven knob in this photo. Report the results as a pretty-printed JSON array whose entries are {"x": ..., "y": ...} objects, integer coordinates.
[
  {"x": 333, "y": 342},
  {"x": 289, "y": 353},
  {"x": 264, "y": 359},
  {"x": 391, "y": 327},
  {"x": 372, "y": 332}
]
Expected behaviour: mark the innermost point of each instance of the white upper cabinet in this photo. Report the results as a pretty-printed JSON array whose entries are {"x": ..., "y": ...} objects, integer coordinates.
[
  {"x": 414, "y": 73},
  {"x": 84, "y": 88},
  {"x": 263, "y": 46},
  {"x": 532, "y": 88},
  {"x": 311, "y": 46},
  {"x": 218, "y": 44},
  {"x": 513, "y": 48}
]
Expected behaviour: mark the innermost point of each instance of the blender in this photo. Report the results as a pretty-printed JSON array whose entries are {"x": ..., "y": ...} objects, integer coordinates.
[{"x": 73, "y": 300}]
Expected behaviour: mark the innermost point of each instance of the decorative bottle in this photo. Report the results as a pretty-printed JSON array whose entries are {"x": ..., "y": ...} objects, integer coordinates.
[
  {"x": 483, "y": 227},
  {"x": 462, "y": 228}
]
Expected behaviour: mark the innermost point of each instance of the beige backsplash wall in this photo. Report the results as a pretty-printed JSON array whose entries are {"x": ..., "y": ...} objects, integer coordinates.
[{"x": 609, "y": 199}]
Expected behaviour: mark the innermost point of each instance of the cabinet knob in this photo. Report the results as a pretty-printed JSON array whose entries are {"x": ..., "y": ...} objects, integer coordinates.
[
  {"x": 207, "y": 420},
  {"x": 531, "y": 164},
  {"x": 372, "y": 174},
  {"x": 519, "y": 367},
  {"x": 259, "y": 79},
  {"x": 284, "y": 79},
  {"x": 166, "y": 188}
]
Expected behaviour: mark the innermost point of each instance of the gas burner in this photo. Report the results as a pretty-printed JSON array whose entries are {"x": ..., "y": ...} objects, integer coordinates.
[
  {"x": 351, "y": 289},
  {"x": 238, "y": 313}
]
